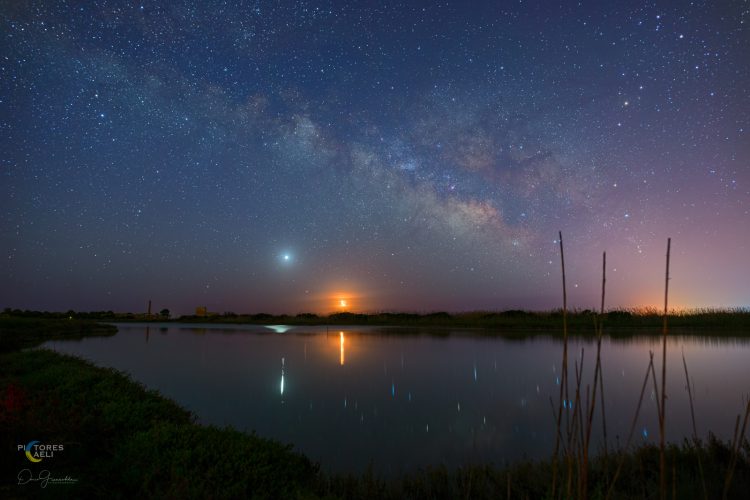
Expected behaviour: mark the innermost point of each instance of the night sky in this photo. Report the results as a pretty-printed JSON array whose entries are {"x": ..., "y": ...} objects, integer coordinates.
[{"x": 410, "y": 156}]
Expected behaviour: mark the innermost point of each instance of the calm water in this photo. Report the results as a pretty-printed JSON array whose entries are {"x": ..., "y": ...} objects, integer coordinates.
[{"x": 354, "y": 396}]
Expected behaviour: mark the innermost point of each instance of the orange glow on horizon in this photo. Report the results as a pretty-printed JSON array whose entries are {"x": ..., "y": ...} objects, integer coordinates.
[
  {"x": 345, "y": 302},
  {"x": 336, "y": 299}
]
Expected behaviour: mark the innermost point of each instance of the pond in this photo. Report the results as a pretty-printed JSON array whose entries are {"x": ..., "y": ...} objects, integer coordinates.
[{"x": 399, "y": 399}]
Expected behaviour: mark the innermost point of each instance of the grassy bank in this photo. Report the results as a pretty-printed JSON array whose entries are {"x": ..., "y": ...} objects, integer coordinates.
[
  {"x": 123, "y": 441},
  {"x": 639, "y": 478},
  {"x": 23, "y": 332}
]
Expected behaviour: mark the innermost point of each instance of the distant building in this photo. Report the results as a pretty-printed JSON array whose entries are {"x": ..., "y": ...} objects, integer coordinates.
[{"x": 203, "y": 312}]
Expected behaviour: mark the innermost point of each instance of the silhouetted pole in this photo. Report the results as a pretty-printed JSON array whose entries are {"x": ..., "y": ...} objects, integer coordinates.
[
  {"x": 564, "y": 374},
  {"x": 662, "y": 417}
]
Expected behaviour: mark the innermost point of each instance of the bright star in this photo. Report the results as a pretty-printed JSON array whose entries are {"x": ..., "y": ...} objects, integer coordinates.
[{"x": 285, "y": 257}]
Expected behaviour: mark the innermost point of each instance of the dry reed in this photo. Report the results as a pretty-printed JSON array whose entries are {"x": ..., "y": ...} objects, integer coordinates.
[
  {"x": 663, "y": 412},
  {"x": 624, "y": 451},
  {"x": 695, "y": 429},
  {"x": 563, "y": 375},
  {"x": 597, "y": 375},
  {"x": 736, "y": 445}
]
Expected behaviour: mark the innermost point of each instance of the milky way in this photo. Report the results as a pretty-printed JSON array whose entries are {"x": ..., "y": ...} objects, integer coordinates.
[{"x": 282, "y": 157}]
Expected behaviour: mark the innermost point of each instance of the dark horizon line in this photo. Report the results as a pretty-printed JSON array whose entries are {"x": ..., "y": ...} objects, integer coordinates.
[{"x": 637, "y": 310}]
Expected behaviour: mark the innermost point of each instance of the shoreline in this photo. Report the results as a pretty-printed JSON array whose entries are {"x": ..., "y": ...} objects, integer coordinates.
[
  {"x": 510, "y": 324},
  {"x": 733, "y": 323}
]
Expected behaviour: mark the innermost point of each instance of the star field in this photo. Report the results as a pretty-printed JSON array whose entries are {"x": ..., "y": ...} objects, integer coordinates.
[{"x": 283, "y": 156}]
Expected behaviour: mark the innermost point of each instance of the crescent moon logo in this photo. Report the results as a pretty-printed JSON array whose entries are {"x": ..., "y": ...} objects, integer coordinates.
[{"x": 28, "y": 452}]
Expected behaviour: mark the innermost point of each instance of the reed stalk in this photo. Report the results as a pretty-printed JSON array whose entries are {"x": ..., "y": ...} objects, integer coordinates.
[
  {"x": 604, "y": 428},
  {"x": 597, "y": 375},
  {"x": 575, "y": 436},
  {"x": 663, "y": 412},
  {"x": 564, "y": 372},
  {"x": 656, "y": 394},
  {"x": 623, "y": 452},
  {"x": 695, "y": 429},
  {"x": 736, "y": 445},
  {"x": 559, "y": 431},
  {"x": 581, "y": 429}
]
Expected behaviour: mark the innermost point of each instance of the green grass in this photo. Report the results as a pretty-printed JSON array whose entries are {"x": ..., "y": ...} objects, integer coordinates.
[
  {"x": 123, "y": 441},
  {"x": 23, "y": 332},
  {"x": 532, "y": 479}
]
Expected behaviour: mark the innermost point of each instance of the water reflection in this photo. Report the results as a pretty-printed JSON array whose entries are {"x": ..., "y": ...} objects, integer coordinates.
[
  {"x": 410, "y": 399},
  {"x": 341, "y": 342},
  {"x": 279, "y": 328}
]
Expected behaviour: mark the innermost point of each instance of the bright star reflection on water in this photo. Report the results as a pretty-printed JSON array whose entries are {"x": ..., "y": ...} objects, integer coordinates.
[{"x": 279, "y": 328}]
